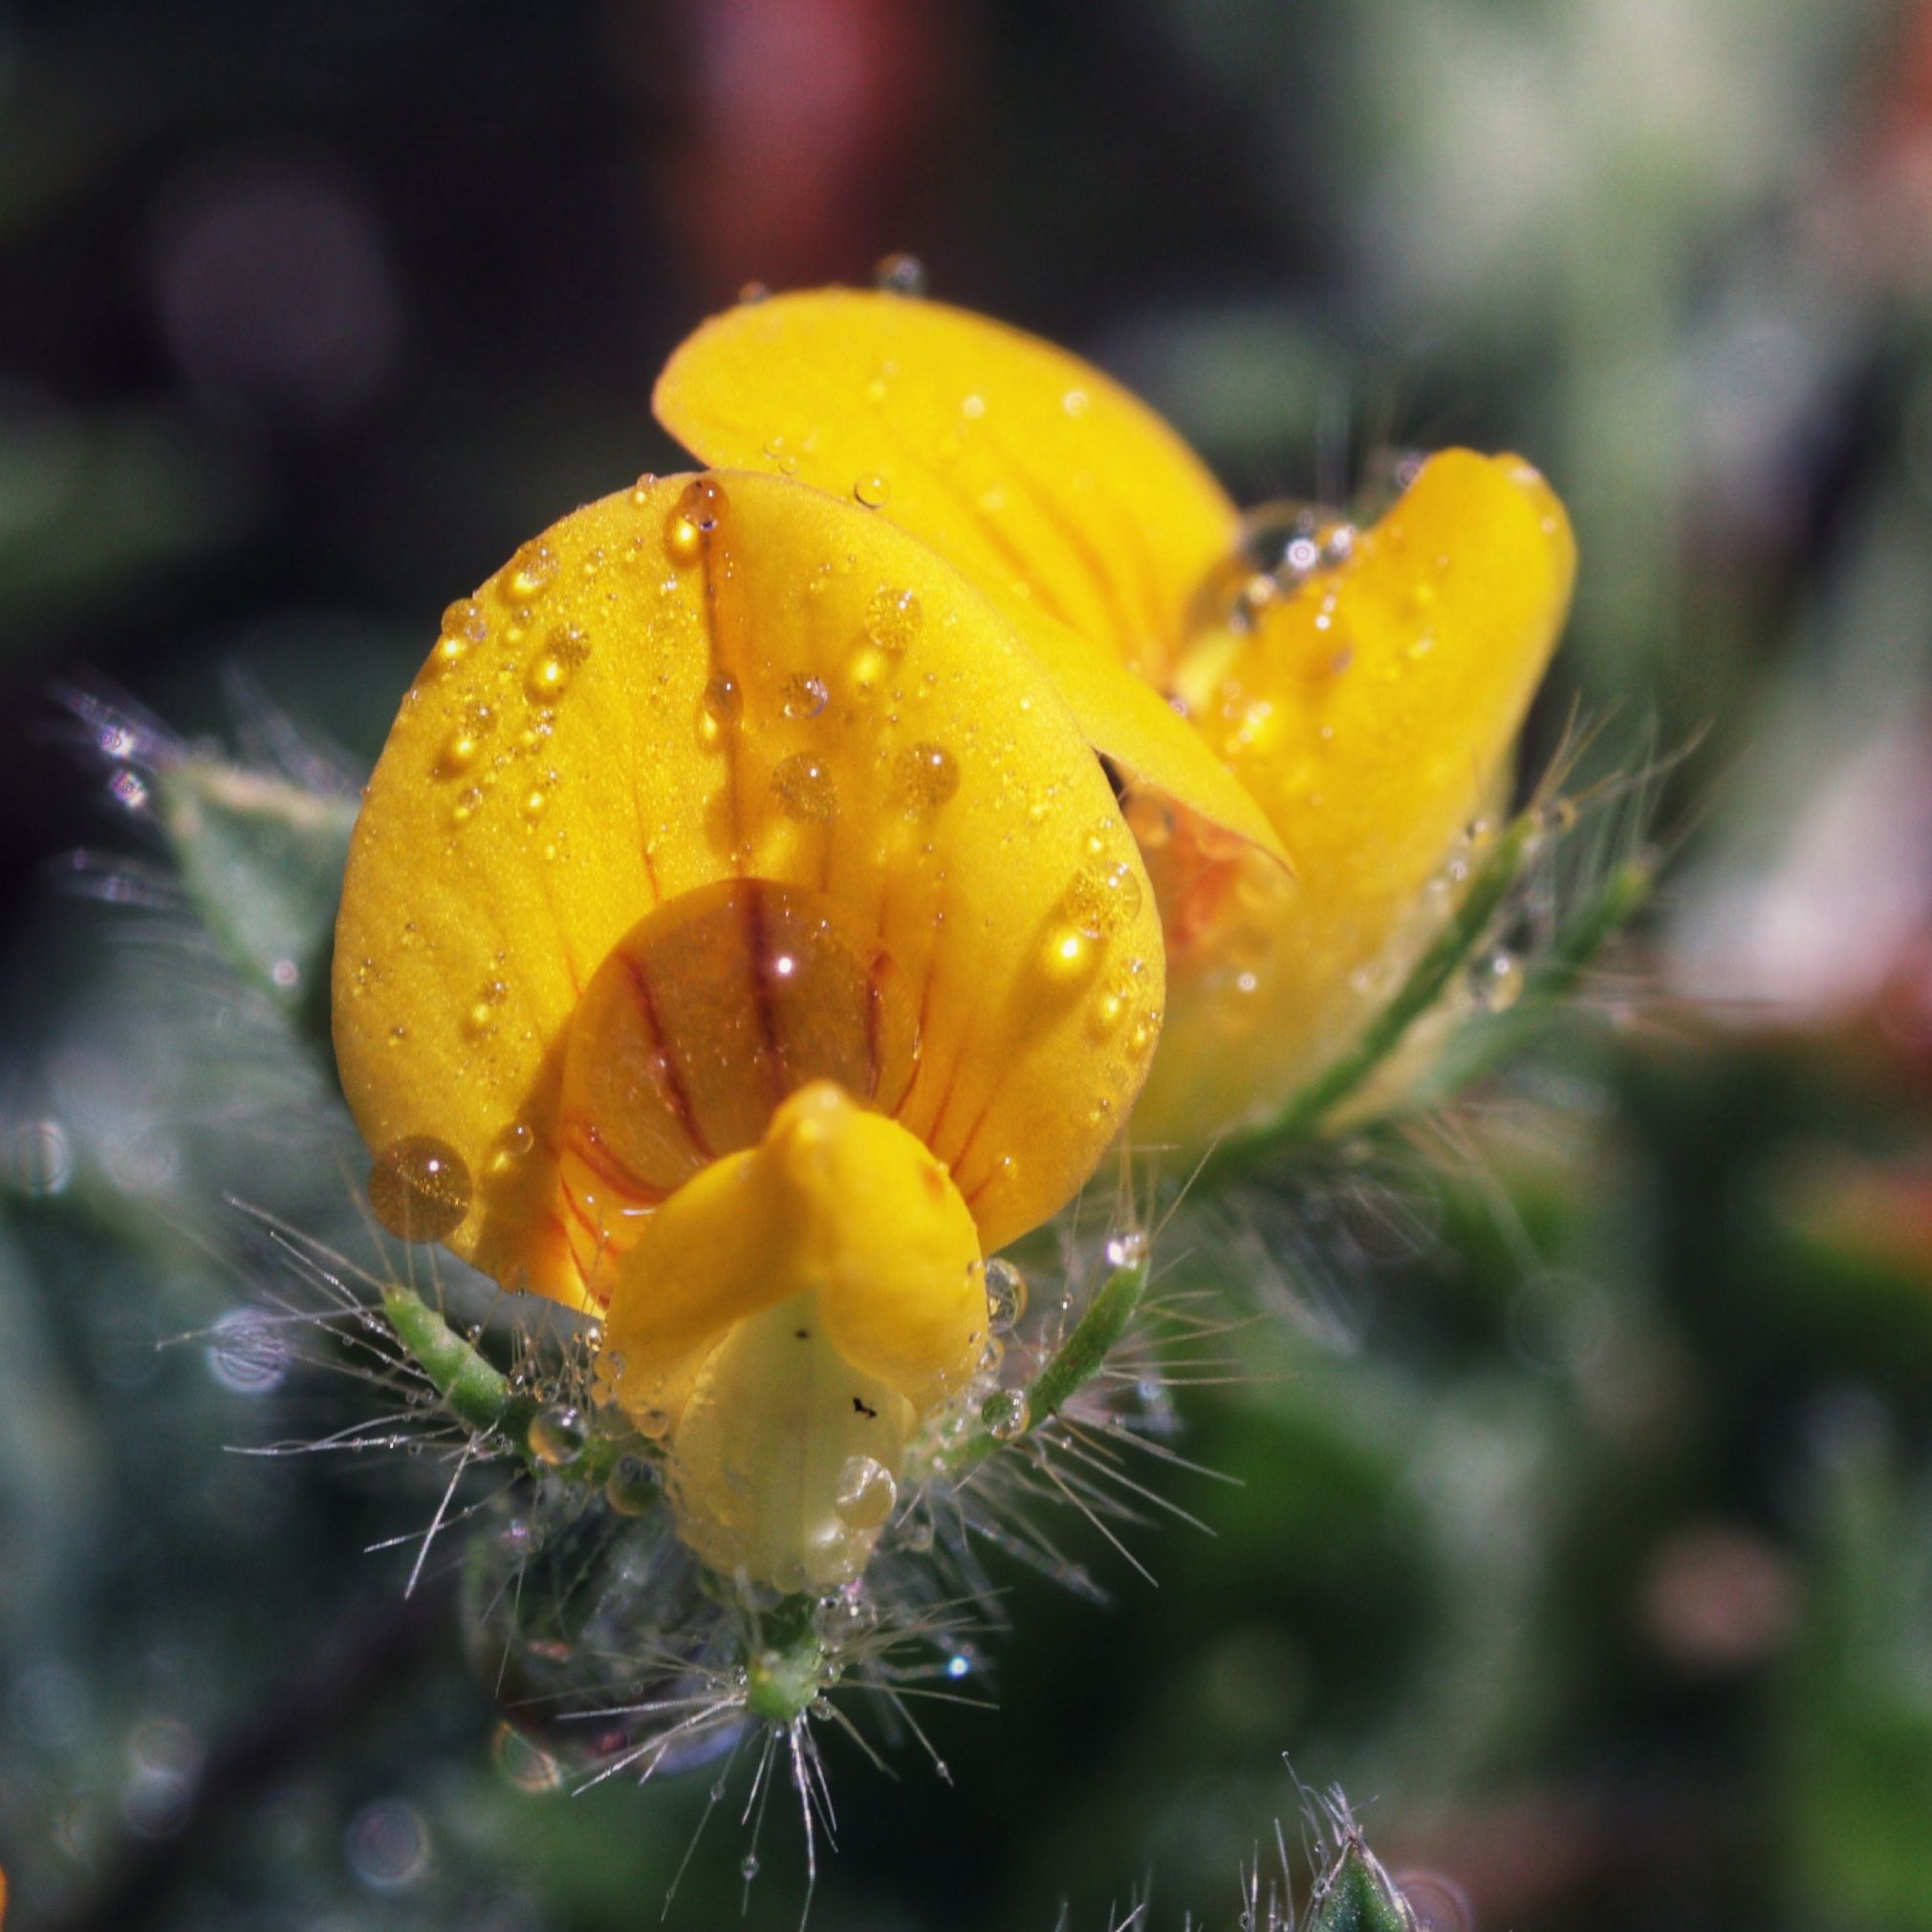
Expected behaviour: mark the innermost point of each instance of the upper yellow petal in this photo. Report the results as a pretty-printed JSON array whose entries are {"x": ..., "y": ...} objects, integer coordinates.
[
  {"x": 1372, "y": 714},
  {"x": 1043, "y": 480},
  {"x": 697, "y": 682},
  {"x": 1057, "y": 492}
]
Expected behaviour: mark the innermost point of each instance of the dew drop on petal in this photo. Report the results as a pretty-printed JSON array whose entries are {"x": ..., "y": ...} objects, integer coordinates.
[
  {"x": 872, "y": 490},
  {"x": 866, "y": 1493},
  {"x": 802, "y": 785},
  {"x": 420, "y": 1188},
  {"x": 699, "y": 510},
  {"x": 805, "y": 696},
  {"x": 924, "y": 777},
  {"x": 1103, "y": 897},
  {"x": 529, "y": 574},
  {"x": 723, "y": 705},
  {"x": 510, "y": 1147},
  {"x": 893, "y": 620},
  {"x": 551, "y": 670},
  {"x": 1127, "y": 1248}
]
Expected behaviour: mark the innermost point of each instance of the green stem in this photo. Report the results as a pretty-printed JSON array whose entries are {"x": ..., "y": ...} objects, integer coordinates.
[
  {"x": 1074, "y": 1362},
  {"x": 1554, "y": 976},
  {"x": 482, "y": 1398},
  {"x": 1431, "y": 974}
]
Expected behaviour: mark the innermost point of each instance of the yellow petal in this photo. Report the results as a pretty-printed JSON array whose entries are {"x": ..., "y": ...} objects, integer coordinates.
[
  {"x": 1372, "y": 714},
  {"x": 1059, "y": 494},
  {"x": 692, "y": 683},
  {"x": 1051, "y": 487},
  {"x": 836, "y": 1201},
  {"x": 793, "y": 1310}
]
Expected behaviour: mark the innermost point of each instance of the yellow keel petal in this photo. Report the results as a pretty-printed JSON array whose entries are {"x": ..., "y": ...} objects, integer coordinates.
[{"x": 792, "y": 1309}]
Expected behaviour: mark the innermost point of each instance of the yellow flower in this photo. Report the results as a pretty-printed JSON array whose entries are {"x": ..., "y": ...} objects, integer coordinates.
[
  {"x": 1366, "y": 714},
  {"x": 739, "y": 940}
]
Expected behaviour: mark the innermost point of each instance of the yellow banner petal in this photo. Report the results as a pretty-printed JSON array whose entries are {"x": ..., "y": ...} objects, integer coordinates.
[
  {"x": 1371, "y": 713},
  {"x": 709, "y": 681},
  {"x": 1057, "y": 492},
  {"x": 1044, "y": 481}
]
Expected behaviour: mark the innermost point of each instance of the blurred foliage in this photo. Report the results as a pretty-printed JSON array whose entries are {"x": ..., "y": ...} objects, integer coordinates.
[{"x": 1577, "y": 1516}]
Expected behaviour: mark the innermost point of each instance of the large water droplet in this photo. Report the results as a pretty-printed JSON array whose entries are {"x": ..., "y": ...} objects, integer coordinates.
[
  {"x": 529, "y": 574},
  {"x": 699, "y": 508},
  {"x": 551, "y": 670},
  {"x": 803, "y": 786},
  {"x": 1007, "y": 1415},
  {"x": 420, "y": 1188},
  {"x": 632, "y": 1487},
  {"x": 1103, "y": 897},
  {"x": 872, "y": 490},
  {"x": 1005, "y": 1296},
  {"x": 893, "y": 620},
  {"x": 805, "y": 696},
  {"x": 866, "y": 1493},
  {"x": 924, "y": 777},
  {"x": 557, "y": 1434}
]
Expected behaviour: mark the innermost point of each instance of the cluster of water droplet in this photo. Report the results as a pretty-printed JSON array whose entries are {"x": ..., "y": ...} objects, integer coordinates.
[{"x": 1284, "y": 546}]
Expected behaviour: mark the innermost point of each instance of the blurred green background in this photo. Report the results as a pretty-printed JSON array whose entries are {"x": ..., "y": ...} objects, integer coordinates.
[{"x": 1582, "y": 1521}]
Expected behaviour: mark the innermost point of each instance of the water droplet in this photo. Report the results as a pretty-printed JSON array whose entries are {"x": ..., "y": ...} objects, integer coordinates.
[
  {"x": 632, "y": 1487},
  {"x": 1076, "y": 403},
  {"x": 1069, "y": 954},
  {"x": 802, "y": 785},
  {"x": 1103, "y": 897},
  {"x": 1006, "y": 1414},
  {"x": 510, "y": 1147},
  {"x": 1496, "y": 983},
  {"x": 900, "y": 275},
  {"x": 1127, "y": 1248},
  {"x": 641, "y": 490},
  {"x": 481, "y": 1019},
  {"x": 893, "y": 620},
  {"x": 747, "y": 1867},
  {"x": 464, "y": 624},
  {"x": 805, "y": 696},
  {"x": 558, "y": 1433},
  {"x": 535, "y": 802},
  {"x": 866, "y": 1493},
  {"x": 523, "y": 1761},
  {"x": 552, "y": 668},
  {"x": 420, "y": 1188},
  {"x": 751, "y": 294},
  {"x": 529, "y": 574},
  {"x": 699, "y": 510},
  {"x": 991, "y": 1356},
  {"x": 463, "y": 745},
  {"x": 873, "y": 491},
  {"x": 723, "y": 705},
  {"x": 924, "y": 777},
  {"x": 1005, "y": 1296}
]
